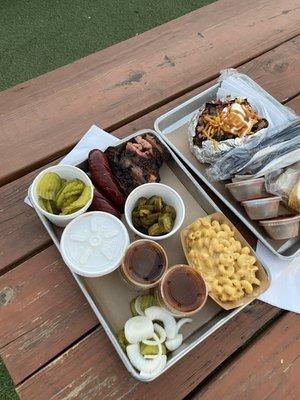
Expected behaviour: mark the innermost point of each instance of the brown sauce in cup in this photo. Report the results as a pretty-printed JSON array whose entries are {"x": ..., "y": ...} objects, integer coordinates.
[
  {"x": 183, "y": 289},
  {"x": 145, "y": 262}
]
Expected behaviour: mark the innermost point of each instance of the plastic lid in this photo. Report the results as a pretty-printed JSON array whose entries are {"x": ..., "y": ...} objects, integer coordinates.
[
  {"x": 261, "y": 201},
  {"x": 281, "y": 220},
  {"x": 243, "y": 182},
  {"x": 93, "y": 244}
]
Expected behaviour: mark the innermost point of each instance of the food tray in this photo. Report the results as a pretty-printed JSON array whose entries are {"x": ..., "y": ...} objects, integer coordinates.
[
  {"x": 109, "y": 297},
  {"x": 172, "y": 126}
]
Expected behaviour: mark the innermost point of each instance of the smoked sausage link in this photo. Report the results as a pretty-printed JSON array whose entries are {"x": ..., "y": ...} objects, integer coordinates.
[
  {"x": 103, "y": 178},
  {"x": 100, "y": 203}
]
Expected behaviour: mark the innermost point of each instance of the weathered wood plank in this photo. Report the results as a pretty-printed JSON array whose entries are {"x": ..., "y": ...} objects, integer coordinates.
[
  {"x": 268, "y": 369},
  {"x": 21, "y": 233},
  {"x": 42, "y": 118},
  {"x": 42, "y": 313},
  {"x": 92, "y": 370},
  {"x": 294, "y": 104}
]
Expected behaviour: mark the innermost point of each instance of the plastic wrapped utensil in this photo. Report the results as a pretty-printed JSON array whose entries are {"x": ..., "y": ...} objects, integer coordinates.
[{"x": 254, "y": 155}]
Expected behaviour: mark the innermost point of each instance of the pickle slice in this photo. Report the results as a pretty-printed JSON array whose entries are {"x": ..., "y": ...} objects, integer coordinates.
[
  {"x": 49, "y": 185},
  {"x": 53, "y": 206},
  {"x": 149, "y": 220},
  {"x": 122, "y": 339},
  {"x": 147, "y": 300},
  {"x": 155, "y": 230},
  {"x": 170, "y": 210},
  {"x": 141, "y": 202},
  {"x": 48, "y": 205},
  {"x": 79, "y": 203},
  {"x": 147, "y": 350},
  {"x": 63, "y": 185},
  {"x": 42, "y": 203},
  {"x": 132, "y": 308},
  {"x": 165, "y": 222},
  {"x": 156, "y": 202},
  {"x": 73, "y": 187},
  {"x": 69, "y": 200},
  {"x": 136, "y": 221}
]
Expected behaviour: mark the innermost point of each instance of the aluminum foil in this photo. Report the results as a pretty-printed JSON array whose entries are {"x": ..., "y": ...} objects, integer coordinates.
[{"x": 208, "y": 154}]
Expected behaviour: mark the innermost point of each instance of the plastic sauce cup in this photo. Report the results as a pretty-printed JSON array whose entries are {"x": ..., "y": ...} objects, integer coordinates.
[
  {"x": 144, "y": 264},
  {"x": 247, "y": 189},
  {"x": 284, "y": 227},
  {"x": 266, "y": 207},
  {"x": 182, "y": 291}
]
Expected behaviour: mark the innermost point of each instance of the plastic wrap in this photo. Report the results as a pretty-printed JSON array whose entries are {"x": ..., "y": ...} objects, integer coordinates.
[
  {"x": 235, "y": 84},
  {"x": 285, "y": 182},
  {"x": 257, "y": 153}
]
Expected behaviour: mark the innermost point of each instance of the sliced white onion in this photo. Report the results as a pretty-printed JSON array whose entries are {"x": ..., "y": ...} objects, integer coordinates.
[
  {"x": 137, "y": 306},
  {"x": 151, "y": 356},
  {"x": 160, "y": 314},
  {"x": 183, "y": 321},
  {"x": 160, "y": 367},
  {"x": 138, "y": 328},
  {"x": 151, "y": 342},
  {"x": 173, "y": 344},
  {"x": 160, "y": 331},
  {"x": 162, "y": 336},
  {"x": 138, "y": 360}
]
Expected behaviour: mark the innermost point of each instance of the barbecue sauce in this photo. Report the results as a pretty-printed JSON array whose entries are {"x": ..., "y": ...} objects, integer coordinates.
[
  {"x": 144, "y": 262},
  {"x": 183, "y": 289}
]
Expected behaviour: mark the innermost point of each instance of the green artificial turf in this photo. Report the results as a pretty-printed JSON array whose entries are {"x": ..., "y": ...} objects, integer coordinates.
[
  {"x": 7, "y": 391},
  {"x": 37, "y": 36}
]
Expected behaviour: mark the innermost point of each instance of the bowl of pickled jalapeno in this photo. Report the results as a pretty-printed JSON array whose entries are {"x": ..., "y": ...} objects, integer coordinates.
[
  {"x": 154, "y": 211},
  {"x": 61, "y": 193}
]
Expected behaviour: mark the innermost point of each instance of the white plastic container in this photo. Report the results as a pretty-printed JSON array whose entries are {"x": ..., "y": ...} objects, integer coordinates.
[
  {"x": 267, "y": 207},
  {"x": 247, "y": 190},
  {"x": 284, "y": 227},
  {"x": 67, "y": 172},
  {"x": 93, "y": 244},
  {"x": 169, "y": 196}
]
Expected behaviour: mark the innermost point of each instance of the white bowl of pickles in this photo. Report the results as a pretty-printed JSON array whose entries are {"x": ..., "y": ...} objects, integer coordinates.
[
  {"x": 154, "y": 211},
  {"x": 61, "y": 193}
]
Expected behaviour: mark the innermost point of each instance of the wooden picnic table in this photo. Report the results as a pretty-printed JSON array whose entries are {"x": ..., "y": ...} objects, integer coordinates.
[{"x": 50, "y": 341}]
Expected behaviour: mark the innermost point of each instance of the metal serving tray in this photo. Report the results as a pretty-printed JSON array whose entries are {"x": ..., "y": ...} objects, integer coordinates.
[
  {"x": 172, "y": 126},
  {"x": 109, "y": 297}
]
